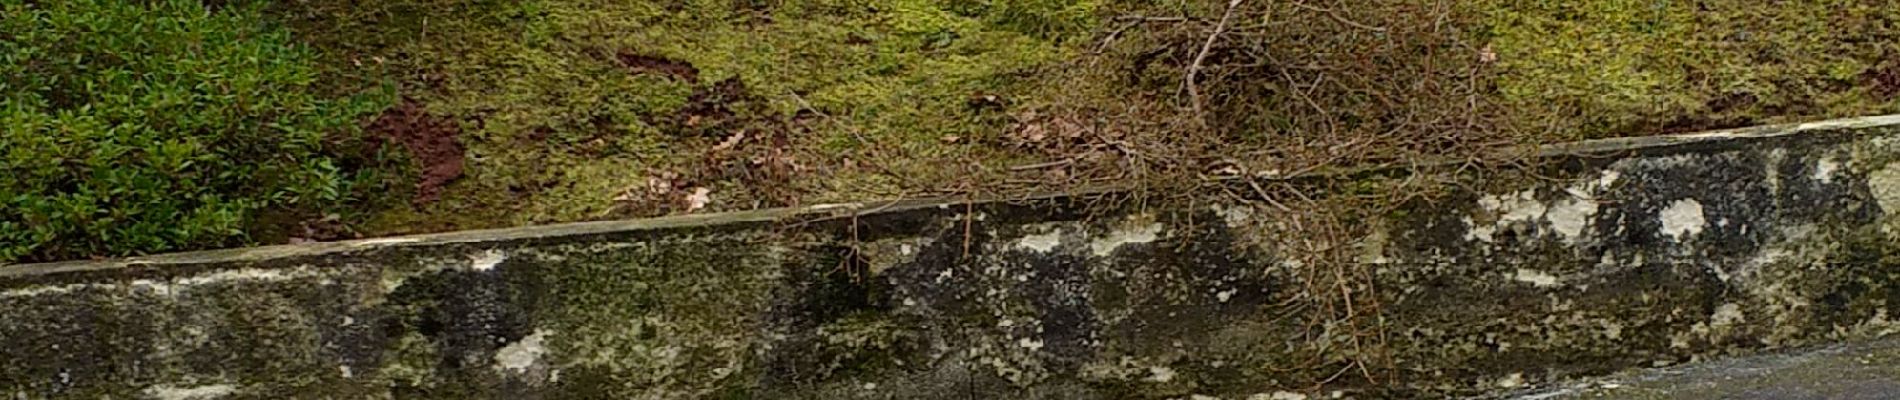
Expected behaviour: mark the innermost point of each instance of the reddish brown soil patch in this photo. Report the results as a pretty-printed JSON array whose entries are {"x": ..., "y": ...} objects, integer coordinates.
[
  {"x": 760, "y": 159},
  {"x": 715, "y": 110},
  {"x": 430, "y": 141},
  {"x": 1885, "y": 79},
  {"x": 1733, "y": 102},
  {"x": 645, "y": 64},
  {"x": 1724, "y": 112}
]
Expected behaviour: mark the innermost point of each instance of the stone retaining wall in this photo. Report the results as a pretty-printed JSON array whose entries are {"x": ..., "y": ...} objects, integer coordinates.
[{"x": 1630, "y": 253}]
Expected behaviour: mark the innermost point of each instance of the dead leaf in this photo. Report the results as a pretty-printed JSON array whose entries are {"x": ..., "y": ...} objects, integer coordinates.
[
  {"x": 1033, "y": 133},
  {"x": 658, "y": 185},
  {"x": 698, "y": 199},
  {"x": 730, "y": 142},
  {"x": 1486, "y": 55},
  {"x": 1070, "y": 128},
  {"x": 625, "y": 194}
]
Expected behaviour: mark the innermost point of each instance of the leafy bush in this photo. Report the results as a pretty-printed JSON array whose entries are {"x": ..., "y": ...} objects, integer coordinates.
[{"x": 141, "y": 126}]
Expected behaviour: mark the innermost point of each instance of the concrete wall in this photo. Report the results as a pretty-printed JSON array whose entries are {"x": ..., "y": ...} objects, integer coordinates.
[{"x": 1640, "y": 252}]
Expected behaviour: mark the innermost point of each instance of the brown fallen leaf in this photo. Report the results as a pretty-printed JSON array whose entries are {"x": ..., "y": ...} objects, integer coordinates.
[
  {"x": 698, "y": 199},
  {"x": 730, "y": 142}
]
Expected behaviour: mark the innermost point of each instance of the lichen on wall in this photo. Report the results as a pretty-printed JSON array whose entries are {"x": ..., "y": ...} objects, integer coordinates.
[{"x": 1660, "y": 256}]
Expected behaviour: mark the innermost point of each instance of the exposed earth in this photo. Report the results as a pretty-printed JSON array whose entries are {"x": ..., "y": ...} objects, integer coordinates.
[{"x": 568, "y": 110}]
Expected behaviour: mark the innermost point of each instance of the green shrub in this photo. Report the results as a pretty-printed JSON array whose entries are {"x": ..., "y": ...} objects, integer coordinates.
[{"x": 141, "y": 126}]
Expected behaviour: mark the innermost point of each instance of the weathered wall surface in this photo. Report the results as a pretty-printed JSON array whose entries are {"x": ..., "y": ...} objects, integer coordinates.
[{"x": 1652, "y": 252}]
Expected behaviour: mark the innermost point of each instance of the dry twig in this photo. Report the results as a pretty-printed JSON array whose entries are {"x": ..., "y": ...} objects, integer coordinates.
[
  {"x": 1057, "y": 163},
  {"x": 1194, "y": 89}
]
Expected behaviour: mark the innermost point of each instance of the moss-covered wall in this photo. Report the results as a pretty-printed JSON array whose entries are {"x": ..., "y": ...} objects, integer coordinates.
[{"x": 1671, "y": 250}]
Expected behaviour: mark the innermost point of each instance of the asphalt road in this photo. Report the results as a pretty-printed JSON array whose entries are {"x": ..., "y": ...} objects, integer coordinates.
[{"x": 1864, "y": 370}]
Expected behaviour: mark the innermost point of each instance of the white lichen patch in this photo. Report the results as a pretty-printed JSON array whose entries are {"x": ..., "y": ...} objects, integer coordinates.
[
  {"x": 1159, "y": 374},
  {"x": 1021, "y": 368},
  {"x": 244, "y": 275},
  {"x": 1683, "y": 219},
  {"x": 1726, "y": 315},
  {"x": 1281, "y": 395},
  {"x": 1234, "y": 215},
  {"x": 1824, "y": 169},
  {"x": 394, "y": 279},
  {"x": 46, "y": 290},
  {"x": 1516, "y": 207},
  {"x": 1535, "y": 277},
  {"x": 1117, "y": 238},
  {"x": 1291, "y": 265},
  {"x": 1029, "y": 344},
  {"x": 1877, "y": 326},
  {"x": 1569, "y": 217},
  {"x": 1884, "y": 185},
  {"x": 1041, "y": 243},
  {"x": 1771, "y": 255},
  {"x": 206, "y": 392},
  {"x": 167, "y": 287},
  {"x": 1372, "y": 246},
  {"x": 521, "y": 356},
  {"x": 1612, "y": 330},
  {"x": 1477, "y": 232},
  {"x": 1515, "y": 380},
  {"x": 1771, "y": 171},
  {"x": 486, "y": 260},
  {"x": 1607, "y": 180},
  {"x": 881, "y": 255}
]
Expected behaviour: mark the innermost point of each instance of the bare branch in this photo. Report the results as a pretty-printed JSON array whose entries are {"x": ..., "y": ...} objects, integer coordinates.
[
  {"x": 1194, "y": 70},
  {"x": 1056, "y": 163}
]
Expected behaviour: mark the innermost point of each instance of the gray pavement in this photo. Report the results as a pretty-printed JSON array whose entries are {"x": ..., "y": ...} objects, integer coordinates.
[{"x": 1863, "y": 370}]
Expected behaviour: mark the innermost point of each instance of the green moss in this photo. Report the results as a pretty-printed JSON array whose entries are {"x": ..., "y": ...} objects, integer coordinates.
[
  {"x": 553, "y": 119},
  {"x": 558, "y": 128},
  {"x": 1618, "y": 67},
  {"x": 664, "y": 319},
  {"x": 269, "y": 337},
  {"x": 130, "y": 128},
  {"x": 558, "y": 124}
]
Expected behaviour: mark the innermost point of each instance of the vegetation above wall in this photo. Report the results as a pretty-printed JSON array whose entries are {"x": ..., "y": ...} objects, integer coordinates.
[
  {"x": 513, "y": 112},
  {"x": 137, "y": 127}
]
